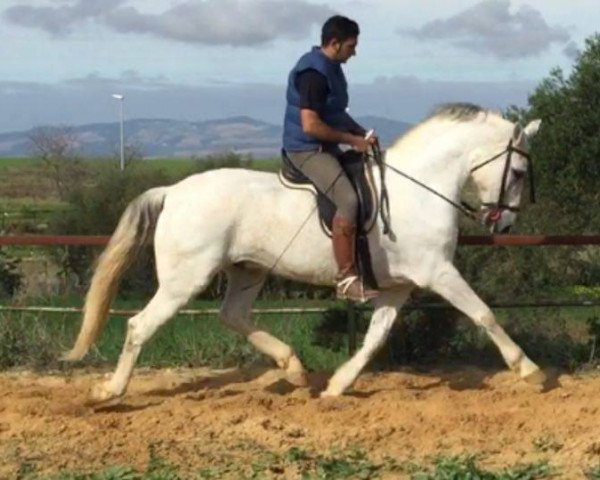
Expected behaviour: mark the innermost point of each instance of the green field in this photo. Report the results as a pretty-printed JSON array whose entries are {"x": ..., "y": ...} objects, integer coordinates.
[
  {"x": 566, "y": 341},
  {"x": 172, "y": 166},
  {"x": 12, "y": 163},
  {"x": 37, "y": 339},
  {"x": 28, "y": 195}
]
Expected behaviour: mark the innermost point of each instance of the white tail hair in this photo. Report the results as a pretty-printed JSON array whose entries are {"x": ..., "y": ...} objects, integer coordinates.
[{"x": 135, "y": 229}]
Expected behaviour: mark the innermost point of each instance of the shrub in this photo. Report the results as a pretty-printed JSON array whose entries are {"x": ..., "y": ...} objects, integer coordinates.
[{"x": 10, "y": 277}]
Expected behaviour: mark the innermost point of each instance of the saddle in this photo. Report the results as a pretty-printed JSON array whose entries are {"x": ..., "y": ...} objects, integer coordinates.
[{"x": 360, "y": 174}]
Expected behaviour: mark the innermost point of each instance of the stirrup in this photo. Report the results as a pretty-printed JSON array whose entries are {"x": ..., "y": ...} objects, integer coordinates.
[{"x": 345, "y": 286}]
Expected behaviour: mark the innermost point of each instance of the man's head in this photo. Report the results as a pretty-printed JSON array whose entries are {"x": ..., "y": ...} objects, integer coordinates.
[{"x": 339, "y": 37}]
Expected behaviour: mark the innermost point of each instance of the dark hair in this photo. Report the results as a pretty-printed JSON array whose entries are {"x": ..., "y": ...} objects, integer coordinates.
[{"x": 339, "y": 28}]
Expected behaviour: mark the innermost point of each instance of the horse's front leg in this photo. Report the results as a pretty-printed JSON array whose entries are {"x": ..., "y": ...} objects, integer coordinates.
[
  {"x": 450, "y": 285},
  {"x": 387, "y": 306}
]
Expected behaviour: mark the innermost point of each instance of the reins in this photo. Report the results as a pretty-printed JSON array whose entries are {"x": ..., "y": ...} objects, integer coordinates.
[
  {"x": 384, "y": 209},
  {"x": 463, "y": 207}
]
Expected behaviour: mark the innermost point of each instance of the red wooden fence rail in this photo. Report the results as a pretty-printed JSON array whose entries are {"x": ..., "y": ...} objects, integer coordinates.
[{"x": 493, "y": 240}]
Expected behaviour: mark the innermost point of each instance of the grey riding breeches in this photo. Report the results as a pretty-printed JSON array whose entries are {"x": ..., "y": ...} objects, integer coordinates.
[{"x": 324, "y": 170}]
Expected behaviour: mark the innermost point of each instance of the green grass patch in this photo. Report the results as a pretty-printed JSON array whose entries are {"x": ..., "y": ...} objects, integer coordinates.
[
  {"x": 467, "y": 468},
  {"x": 551, "y": 338},
  {"x": 593, "y": 473},
  {"x": 297, "y": 463},
  {"x": 173, "y": 167},
  {"x": 17, "y": 162},
  {"x": 36, "y": 340}
]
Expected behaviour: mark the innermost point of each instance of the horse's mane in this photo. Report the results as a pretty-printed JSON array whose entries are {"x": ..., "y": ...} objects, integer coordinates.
[
  {"x": 460, "y": 112},
  {"x": 457, "y": 112}
]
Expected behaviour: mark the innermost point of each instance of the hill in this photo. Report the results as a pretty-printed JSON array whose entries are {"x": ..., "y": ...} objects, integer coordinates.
[{"x": 180, "y": 138}]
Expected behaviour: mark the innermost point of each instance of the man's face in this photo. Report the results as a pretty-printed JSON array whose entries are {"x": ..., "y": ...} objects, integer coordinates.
[{"x": 344, "y": 50}]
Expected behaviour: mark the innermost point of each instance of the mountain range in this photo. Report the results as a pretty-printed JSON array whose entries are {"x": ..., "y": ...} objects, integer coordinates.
[{"x": 180, "y": 138}]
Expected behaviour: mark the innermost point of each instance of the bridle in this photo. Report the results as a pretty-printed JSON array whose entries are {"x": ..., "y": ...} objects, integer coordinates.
[
  {"x": 470, "y": 211},
  {"x": 501, "y": 204}
]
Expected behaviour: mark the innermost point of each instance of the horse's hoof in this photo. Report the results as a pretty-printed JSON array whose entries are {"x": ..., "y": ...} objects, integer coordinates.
[
  {"x": 329, "y": 394},
  {"x": 530, "y": 372},
  {"x": 536, "y": 377},
  {"x": 297, "y": 379},
  {"x": 101, "y": 393}
]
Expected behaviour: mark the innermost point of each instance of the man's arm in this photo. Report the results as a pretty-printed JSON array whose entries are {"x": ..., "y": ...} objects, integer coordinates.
[
  {"x": 315, "y": 127},
  {"x": 313, "y": 90},
  {"x": 355, "y": 127}
]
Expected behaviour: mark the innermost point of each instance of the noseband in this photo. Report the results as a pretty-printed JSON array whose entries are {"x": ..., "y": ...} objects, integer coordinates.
[{"x": 501, "y": 204}]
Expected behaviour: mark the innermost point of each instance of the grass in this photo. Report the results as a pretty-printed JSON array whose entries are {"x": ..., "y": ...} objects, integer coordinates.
[
  {"x": 16, "y": 162},
  {"x": 467, "y": 468},
  {"x": 564, "y": 339},
  {"x": 37, "y": 340},
  {"x": 174, "y": 167},
  {"x": 593, "y": 473},
  {"x": 29, "y": 197},
  {"x": 297, "y": 463}
]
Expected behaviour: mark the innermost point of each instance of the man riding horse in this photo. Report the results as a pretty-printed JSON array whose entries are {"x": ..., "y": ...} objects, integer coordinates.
[{"x": 316, "y": 121}]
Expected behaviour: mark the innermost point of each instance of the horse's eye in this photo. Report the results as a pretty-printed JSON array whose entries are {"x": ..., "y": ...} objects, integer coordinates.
[{"x": 518, "y": 174}]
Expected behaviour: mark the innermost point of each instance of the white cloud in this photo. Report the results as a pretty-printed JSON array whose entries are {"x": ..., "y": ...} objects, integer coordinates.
[
  {"x": 209, "y": 22},
  {"x": 489, "y": 27},
  {"x": 59, "y": 20},
  {"x": 225, "y": 22}
]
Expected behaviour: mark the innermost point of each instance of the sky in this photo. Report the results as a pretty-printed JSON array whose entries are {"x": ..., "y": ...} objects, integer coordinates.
[{"x": 205, "y": 59}]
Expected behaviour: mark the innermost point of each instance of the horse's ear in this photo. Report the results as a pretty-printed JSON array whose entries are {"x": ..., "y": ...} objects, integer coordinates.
[
  {"x": 532, "y": 127},
  {"x": 517, "y": 134}
]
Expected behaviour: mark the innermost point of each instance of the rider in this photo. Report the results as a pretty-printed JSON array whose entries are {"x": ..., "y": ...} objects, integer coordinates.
[{"x": 316, "y": 122}]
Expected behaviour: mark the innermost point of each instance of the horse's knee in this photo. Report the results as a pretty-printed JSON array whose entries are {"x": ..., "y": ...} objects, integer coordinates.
[
  {"x": 137, "y": 332},
  {"x": 488, "y": 322}
]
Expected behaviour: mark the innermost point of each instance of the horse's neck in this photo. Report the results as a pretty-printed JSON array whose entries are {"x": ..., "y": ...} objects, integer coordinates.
[{"x": 442, "y": 166}]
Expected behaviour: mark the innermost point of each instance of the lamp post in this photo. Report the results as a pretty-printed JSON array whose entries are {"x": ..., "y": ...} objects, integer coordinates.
[{"x": 120, "y": 97}]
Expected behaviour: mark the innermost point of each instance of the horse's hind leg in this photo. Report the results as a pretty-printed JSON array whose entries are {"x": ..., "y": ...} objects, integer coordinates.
[
  {"x": 450, "y": 285},
  {"x": 243, "y": 285},
  {"x": 139, "y": 329},
  {"x": 174, "y": 291}
]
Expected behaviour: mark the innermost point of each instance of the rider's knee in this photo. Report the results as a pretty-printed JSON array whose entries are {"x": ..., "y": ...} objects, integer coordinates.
[{"x": 349, "y": 204}]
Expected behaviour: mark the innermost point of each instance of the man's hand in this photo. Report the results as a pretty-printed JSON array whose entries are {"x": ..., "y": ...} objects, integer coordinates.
[
  {"x": 363, "y": 144},
  {"x": 372, "y": 137}
]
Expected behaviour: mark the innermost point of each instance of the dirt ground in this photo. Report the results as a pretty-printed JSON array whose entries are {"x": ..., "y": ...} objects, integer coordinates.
[{"x": 196, "y": 418}]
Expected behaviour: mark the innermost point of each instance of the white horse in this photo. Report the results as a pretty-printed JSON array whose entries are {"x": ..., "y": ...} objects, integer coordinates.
[{"x": 240, "y": 221}]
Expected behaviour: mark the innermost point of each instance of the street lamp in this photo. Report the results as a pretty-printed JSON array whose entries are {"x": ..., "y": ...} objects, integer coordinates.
[{"x": 120, "y": 97}]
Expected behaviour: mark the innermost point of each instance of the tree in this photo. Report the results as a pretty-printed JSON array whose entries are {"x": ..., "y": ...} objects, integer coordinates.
[
  {"x": 567, "y": 149},
  {"x": 566, "y": 160},
  {"x": 56, "y": 148}
]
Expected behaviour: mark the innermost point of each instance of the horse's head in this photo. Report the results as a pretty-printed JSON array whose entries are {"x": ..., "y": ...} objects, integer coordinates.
[{"x": 500, "y": 178}]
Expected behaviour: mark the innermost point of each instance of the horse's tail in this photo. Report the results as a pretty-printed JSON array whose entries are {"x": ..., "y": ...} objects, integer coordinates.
[{"x": 135, "y": 229}]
